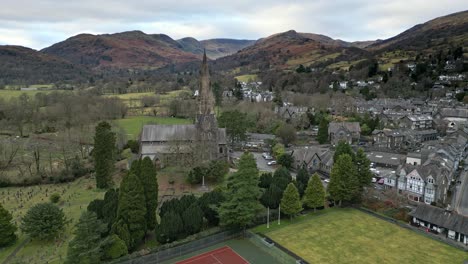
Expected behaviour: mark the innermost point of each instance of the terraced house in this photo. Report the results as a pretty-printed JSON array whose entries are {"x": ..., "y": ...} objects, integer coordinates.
[{"x": 426, "y": 177}]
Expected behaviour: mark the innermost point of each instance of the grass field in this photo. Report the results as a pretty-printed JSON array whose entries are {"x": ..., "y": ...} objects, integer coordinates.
[
  {"x": 75, "y": 197},
  {"x": 246, "y": 77},
  {"x": 132, "y": 125},
  {"x": 350, "y": 236},
  {"x": 7, "y": 94}
]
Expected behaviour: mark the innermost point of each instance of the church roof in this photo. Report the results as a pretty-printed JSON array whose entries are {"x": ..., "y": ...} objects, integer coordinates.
[
  {"x": 168, "y": 132},
  {"x": 165, "y": 133}
]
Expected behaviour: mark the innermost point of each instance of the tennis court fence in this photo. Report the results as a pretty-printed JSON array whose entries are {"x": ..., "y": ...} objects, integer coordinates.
[{"x": 168, "y": 253}]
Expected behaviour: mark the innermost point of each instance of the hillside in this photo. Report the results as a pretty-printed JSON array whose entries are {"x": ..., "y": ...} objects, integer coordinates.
[
  {"x": 215, "y": 48},
  {"x": 289, "y": 49},
  {"x": 20, "y": 65},
  {"x": 442, "y": 32},
  {"x": 133, "y": 49}
]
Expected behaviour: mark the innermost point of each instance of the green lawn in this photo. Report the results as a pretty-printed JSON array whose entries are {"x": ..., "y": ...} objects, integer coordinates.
[
  {"x": 246, "y": 77},
  {"x": 75, "y": 197},
  {"x": 350, "y": 236},
  {"x": 7, "y": 94},
  {"x": 133, "y": 124}
]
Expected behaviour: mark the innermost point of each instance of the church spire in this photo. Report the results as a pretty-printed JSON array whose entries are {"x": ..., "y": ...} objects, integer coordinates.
[{"x": 206, "y": 98}]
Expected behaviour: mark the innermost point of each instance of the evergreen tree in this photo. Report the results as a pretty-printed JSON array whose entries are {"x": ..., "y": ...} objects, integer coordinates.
[
  {"x": 322, "y": 134},
  {"x": 43, "y": 221},
  {"x": 241, "y": 204},
  {"x": 291, "y": 202},
  {"x": 314, "y": 195},
  {"x": 208, "y": 202},
  {"x": 103, "y": 153},
  {"x": 110, "y": 206},
  {"x": 265, "y": 180},
  {"x": 150, "y": 186},
  {"x": 344, "y": 183},
  {"x": 120, "y": 228},
  {"x": 85, "y": 246},
  {"x": 193, "y": 219},
  {"x": 96, "y": 207},
  {"x": 272, "y": 197},
  {"x": 343, "y": 148},
  {"x": 7, "y": 228},
  {"x": 286, "y": 160},
  {"x": 281, "y": 178},
  {"x": 113, "y": 247},
  {"x": 131, "y": 210},
  {"x": 363, "y": 168},
  {"x": 302, "y": 178},
  {"x": 170, "y": 229}
]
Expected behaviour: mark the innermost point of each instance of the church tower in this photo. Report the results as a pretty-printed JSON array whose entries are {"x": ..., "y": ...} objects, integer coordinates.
[{"x": 206, "y": 124}]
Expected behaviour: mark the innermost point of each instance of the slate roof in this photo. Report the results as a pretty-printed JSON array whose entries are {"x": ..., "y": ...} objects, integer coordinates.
[
  {"x": 306, "y": 154},
  {"x": 168, "y": 132},
  {"x": 391, "y": 159},
  {"x": 442, "y": 218},
  {"x": 164, "y": 133},
  {"x": 454, "y": 112},
  {"x": 415, "y": 118},
  {"x": 352, "y": 127}
]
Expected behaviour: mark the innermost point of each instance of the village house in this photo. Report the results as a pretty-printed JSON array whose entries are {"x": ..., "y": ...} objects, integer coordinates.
[
  {"x": 441, "y": 221},
  {"x": 455, "y": 117},
  {"x": 289, "y": 112},
  {"x": 349, "y": 132},
  {"x": 314, "y": 159},
  {"x": 387, "y": 138},
  {"x": 427, "y": 174},
  {"x": 386, "y": 159},
  {"x": 416, "y": 122}
]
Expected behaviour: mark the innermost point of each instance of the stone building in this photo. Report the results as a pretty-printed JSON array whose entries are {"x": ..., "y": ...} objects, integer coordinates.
[
  {"x": 344, "y": 131},
  {"x": 188, "y": 144}
]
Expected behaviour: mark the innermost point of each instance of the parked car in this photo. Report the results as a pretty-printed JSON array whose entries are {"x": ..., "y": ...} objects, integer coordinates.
[
  {"x": 327, "y": 180},
  {"x": 374, "y": 180},
  {"x": 271, "y": 163},
  {"x": 269, "y": 157}
]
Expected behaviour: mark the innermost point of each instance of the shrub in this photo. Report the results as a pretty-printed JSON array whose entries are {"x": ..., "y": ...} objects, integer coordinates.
[
  {"x": 43, "y": 221},
  {"x": 55, "y": 198},
  {"x": 133, "y": 146},
  {"x": 113, "y": 248}
]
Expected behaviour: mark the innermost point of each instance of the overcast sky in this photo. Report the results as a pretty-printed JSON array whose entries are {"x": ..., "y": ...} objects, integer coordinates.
[{"x": 40, "y": 23}]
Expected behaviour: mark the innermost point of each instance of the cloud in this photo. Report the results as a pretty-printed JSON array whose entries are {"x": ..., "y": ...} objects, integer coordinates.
[{"x": 38, "y": 24}]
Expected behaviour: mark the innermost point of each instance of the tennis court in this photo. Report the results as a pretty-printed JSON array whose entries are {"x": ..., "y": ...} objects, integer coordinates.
[{"x": 223, "y": 255}]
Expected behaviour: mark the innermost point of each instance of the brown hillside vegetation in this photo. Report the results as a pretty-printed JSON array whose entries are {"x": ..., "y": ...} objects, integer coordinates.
[
  {"x": 442, "y": 32},
  {"x": 133, "y": 49}
]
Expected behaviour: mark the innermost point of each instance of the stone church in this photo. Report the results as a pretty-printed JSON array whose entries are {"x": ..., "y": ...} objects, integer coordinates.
[{"x": 188, "y": 145}]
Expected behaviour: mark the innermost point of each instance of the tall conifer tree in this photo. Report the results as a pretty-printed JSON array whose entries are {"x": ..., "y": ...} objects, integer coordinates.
[
  {"x": 291, "y": 202},
  {"x": 104, "y": 154},
  {"x": 150, "y": 185},
  {"x": 314, "y": 195},
  {"x": 7, "y": 228},
  {"x": 131, "y": 212},
  {"x": 241, "y": 204}
]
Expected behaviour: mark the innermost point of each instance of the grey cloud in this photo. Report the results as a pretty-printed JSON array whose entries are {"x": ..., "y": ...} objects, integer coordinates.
[{"x": 41, "y": 23}]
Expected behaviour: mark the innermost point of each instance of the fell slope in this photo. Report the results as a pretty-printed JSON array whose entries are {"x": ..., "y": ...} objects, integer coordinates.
[
  {"x": 23, "y": 65},
  {"x": 133, "y": 49}
]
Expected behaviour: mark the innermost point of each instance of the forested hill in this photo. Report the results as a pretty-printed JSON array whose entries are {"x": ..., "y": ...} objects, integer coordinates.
[{"x": 20, "y": 65}]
